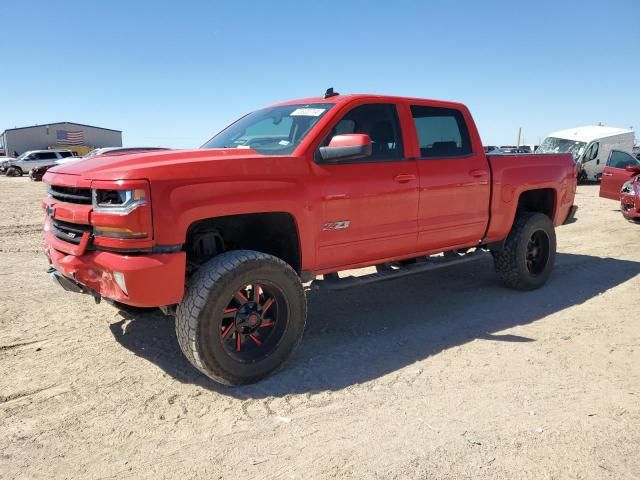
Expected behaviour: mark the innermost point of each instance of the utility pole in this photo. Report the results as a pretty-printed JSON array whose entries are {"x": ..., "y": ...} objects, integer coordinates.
[{"x": 519, "y": 133}]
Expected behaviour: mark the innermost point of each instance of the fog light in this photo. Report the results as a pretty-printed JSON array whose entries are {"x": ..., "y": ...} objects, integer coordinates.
[{"x": 119, "y": 278}]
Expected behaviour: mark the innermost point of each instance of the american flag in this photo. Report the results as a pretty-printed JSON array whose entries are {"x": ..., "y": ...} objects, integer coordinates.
[{"x": 64, "y": 137}]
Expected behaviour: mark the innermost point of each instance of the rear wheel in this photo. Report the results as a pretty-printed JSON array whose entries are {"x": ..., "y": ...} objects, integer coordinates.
[
  {"x": 242, "y": 316},
  {"x": 528, "y": 256}
]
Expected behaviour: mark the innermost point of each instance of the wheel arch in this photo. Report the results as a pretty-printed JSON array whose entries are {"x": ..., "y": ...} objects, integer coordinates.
[
  {"x": 533, "y": 200},
  {"x": 275, "y": 233},
  {"x": 538, "y": 200}
]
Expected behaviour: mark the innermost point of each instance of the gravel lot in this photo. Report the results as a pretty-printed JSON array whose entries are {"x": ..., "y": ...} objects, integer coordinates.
[{"x": 444, "y": 375}]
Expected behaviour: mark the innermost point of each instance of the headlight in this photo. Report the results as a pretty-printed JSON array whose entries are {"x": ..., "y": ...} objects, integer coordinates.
[
  {"x": 118, "y": 202},
  {"x": 627, "y": 187}
]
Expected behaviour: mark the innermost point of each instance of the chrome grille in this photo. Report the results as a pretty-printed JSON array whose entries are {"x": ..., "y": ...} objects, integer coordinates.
[
  {"x": 69, "y": 232},
  {"x": 71, "y": 194}
]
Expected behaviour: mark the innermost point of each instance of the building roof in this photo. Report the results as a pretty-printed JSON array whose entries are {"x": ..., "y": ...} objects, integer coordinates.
[
  {"x": 63, "y": 123},
  {"x": 588, "y": 133}
]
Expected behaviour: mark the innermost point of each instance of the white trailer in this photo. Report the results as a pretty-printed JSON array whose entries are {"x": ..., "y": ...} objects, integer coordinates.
[{"x": 590, "y": 146}]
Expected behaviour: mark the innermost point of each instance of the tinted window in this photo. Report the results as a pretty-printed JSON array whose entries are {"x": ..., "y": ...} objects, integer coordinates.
[
  {"x": 380, "y": 122},
  {"x": 618, "y": 159},
  {"x": 442, "y": 132},
  {"x": 46, "y": 156},
  {"x": 65, "y": 154}
]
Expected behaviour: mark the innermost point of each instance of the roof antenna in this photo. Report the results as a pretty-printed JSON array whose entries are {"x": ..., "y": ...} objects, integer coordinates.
[{"x": 330, "y": 93}]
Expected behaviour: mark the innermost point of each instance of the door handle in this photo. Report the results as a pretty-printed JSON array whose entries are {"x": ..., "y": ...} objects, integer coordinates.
[
  {"x": 607, "y": 174},
  {"x": 478, "y": 173},
  {"x": 404, "y": 177}
]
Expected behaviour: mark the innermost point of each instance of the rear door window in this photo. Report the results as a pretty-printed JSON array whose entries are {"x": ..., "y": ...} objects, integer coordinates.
[
  {"x": 442, "y": 132},
  {"x": 46, "y": 156},
  {"x": 65, "y": 154}
]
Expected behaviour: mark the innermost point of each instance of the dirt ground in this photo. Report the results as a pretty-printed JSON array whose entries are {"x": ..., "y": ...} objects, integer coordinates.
[{"x": 443, "y": 375}]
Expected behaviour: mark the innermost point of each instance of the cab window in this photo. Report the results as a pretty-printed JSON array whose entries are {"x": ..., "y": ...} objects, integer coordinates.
[
  {"x": 66, "y": 154},
  {"x": 442, "y": 132},
  {"x": 618, "y": 159},
  {"x": 380, "y": 122}
]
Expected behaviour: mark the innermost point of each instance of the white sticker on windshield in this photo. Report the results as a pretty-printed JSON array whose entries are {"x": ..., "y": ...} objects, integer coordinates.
[
  {"x": 284, "y": 142},
  {"x": 307, "y": 112}
]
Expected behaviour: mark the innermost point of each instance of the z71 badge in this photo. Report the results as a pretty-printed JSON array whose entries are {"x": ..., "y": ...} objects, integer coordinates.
[{"x": 341, "y": 225}]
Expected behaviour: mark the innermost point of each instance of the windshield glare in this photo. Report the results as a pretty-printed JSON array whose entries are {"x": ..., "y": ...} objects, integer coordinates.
[
  {"x": 561, "y": 145},
  {"x": 271, "y": 131}
]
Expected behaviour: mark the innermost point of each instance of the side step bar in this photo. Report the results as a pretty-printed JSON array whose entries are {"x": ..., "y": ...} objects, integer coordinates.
[{"x": 421, "y": 266}]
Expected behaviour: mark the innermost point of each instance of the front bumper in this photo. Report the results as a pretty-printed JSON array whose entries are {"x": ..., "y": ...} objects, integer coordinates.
[
  {"x": 629, "y": 206},
  {"x": 151, "y": 280}
]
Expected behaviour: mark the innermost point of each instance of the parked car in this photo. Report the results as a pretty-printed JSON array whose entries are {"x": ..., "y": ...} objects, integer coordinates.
[
  {"x": 224, "y": 236},
  {"x": 620, "y": 182},
  {"x": 490, "y": 148},
  {"x": 37, "y": 173},
  {"x": 33, "y": 158}
]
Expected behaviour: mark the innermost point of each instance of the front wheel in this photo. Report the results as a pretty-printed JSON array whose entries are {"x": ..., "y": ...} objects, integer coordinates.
[
  {"x": 14, "y": 172},
  {"x": 243, "y": 314},
  {"x": 528, "y": 256}
]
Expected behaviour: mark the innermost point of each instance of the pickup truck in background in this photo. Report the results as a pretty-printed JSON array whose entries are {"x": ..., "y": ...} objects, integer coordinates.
[{"x": 223, "y": 237}]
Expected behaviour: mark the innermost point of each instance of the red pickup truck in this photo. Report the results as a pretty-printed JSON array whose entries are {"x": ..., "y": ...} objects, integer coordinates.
[{"x": 224, "y": 236}]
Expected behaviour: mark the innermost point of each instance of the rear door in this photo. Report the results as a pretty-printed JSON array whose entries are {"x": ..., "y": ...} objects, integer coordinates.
[
  {"x": 369, "y": 205},
  {"x": 614, "y": 174},
  {"x": 454, "y": 179}
]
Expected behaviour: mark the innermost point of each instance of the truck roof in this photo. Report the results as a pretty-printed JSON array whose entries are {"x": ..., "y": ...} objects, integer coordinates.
[
  {"x": 589, "y": 132},
  {"x": 340, "y": 98}
]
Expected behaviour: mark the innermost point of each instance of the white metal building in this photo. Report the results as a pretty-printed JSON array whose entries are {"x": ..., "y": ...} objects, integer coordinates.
[{"x": 60, "y": 134}]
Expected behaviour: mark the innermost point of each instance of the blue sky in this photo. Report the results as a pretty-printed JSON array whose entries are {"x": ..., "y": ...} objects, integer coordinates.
[{"x": 173, "y": 73}]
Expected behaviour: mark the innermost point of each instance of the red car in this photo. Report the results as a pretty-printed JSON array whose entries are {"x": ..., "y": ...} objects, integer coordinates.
[
  {"x": 620, "y": 182},
  {"x": 223, "y": 237}
]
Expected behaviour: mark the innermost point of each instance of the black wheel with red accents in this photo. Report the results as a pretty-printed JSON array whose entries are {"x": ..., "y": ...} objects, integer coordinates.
[
  {"x": 253, "y": 322},
  {"x": 243, "y": 314}
]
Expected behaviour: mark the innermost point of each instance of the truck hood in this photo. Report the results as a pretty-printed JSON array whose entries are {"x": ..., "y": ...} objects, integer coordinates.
[{"x": 169, "y": 164}]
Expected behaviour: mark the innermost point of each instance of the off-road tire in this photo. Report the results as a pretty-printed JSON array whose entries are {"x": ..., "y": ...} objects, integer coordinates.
[
  {"x": 511, "y": 262},
  {"x": 14, "y": 172},
  {"x": 199, "y": 315}
]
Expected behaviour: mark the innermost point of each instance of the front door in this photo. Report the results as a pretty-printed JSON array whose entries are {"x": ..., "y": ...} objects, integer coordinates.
[
  {"x": 369, "y": 205},
  {"x": 454, "y": 180},
  {"x": 614, "y": 174}
]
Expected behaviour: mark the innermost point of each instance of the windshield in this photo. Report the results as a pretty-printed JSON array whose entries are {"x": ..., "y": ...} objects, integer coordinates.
[
  {"x": 271, "y": 131},
  {"x": 23, "y": 156},
  {"x": 561, "y": 145}
]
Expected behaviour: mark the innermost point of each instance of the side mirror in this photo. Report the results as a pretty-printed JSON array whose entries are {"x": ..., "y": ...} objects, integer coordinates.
[
  {"x": 635, "y": 169},
  {"x": 346, "y": 147}
]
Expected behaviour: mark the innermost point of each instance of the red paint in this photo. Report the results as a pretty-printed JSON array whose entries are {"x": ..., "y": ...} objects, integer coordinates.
[
  {"x": 612, "y": 180},
  {"x": 395, "y": 209}
]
